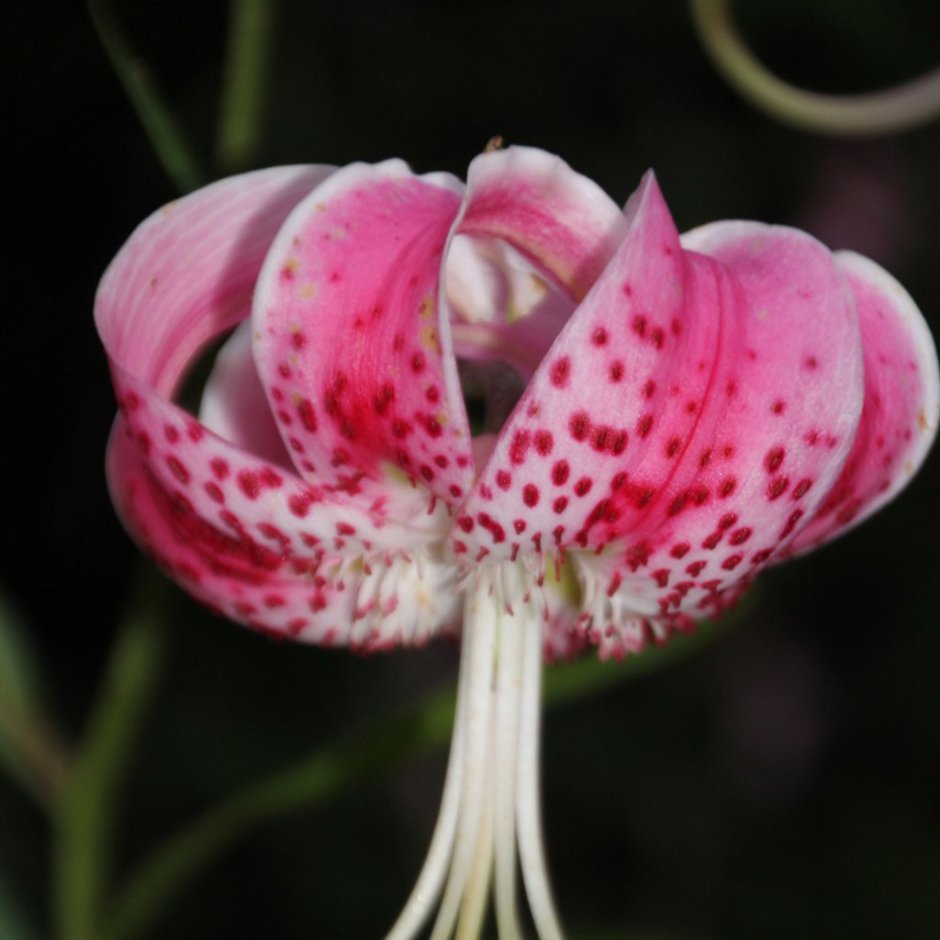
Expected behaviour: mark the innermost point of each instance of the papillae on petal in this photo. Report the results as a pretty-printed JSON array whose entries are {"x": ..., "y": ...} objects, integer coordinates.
[{"x": 187, "y": 273}]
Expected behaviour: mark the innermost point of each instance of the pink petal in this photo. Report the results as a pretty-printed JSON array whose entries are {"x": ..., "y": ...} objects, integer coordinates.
[
  {"x": 321, "y": 595},
  {"x": 351, "y": 344},
  {"x": 902, "y": 403},
  {"x": 186, "y": 274},
  {"x": 234, "y": 405},
  {"x": 246, "y": 534},
  {"x": 238, "y": 492},
  {"x": 502, "y": 306},
  {"x": 536, "y": 203},
  {"x": 666, "y": 432}
]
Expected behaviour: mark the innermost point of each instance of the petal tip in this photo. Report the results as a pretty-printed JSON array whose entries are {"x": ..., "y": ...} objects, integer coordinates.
[{"x": 646, "y": 208}]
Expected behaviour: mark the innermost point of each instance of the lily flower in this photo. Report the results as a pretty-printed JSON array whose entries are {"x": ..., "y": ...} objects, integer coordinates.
[{"x": 656, "y": 420}]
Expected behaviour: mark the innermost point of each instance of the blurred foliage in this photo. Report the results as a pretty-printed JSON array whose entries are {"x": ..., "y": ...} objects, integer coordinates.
[
  {"x": 19, "y": 701},
  {"x": 782, "y": 782},
  {"x": 12, "y": 924}
]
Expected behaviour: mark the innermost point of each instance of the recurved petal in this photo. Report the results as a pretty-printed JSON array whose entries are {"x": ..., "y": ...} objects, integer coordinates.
[
  {"x": 184, "y": 276},
  {"x": 187, "y": 273},
  {"x": 538, "y": 205},
  {"x": 253, "y": 572},
  {"x": 352, "y": 344},
  {"x": 690, "y": 416},
  {"x": 240, "y": 492},
  {"x": 902, "y": 402},
  {"x": 581, "y": 411}
]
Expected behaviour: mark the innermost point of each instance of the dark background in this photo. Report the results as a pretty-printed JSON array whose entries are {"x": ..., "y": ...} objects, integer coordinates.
[{"x": 784, "y": 782}]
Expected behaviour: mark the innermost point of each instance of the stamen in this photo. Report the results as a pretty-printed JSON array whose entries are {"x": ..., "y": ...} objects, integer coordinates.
[
  {"x": 480, "y": 617},
  {"x": 528, "y": 802},
  {"x": 512, "y": 642},
  {"x": 427, "y": 888},
  {"x": 491, "y": 790},
  {"x": 473, "y": 906}
]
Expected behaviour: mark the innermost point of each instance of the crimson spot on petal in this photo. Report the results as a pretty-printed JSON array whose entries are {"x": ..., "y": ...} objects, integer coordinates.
[
  {"x": 560, "y": 372},
  {"x": 544, "y": 442},
  {"x": 579, "y": 425},
  {"x": 560, "y": 472},
  {"x": 774, "y": 459},
  {"x": 519, "y": 447}
]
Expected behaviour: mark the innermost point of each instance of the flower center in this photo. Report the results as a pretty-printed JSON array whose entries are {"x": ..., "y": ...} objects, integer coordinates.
[{"x": 490, "y": 807}]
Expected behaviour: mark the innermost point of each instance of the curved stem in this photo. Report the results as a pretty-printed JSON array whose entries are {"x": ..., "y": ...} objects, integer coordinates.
[{"x": 895, "y": 109}]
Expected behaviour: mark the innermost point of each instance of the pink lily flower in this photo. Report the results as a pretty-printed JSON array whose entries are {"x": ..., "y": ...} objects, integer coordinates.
[{"x": 663, "y": 418}]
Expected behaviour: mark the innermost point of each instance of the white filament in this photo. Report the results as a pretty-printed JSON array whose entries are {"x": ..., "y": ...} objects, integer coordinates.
[
  {"x": 479, "y": 637},
  {"x": 528, "y": 805},
  {"x": 428, "y": 886},
  {"x": 509, "y": 682},
  {"x": 491, "y": 792}
]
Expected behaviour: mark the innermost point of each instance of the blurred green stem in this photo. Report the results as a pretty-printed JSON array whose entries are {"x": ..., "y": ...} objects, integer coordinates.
[
  {"x": 42, "y": 758},
  {"x": 31, "y": 748},
  {"x": 84, "y": 819},
  {"x": 173, "y": 867},
  {"x": 165, "y": 134},
  {"x": 895, "y": 109},
  {"x": 246, "y": 70}
]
